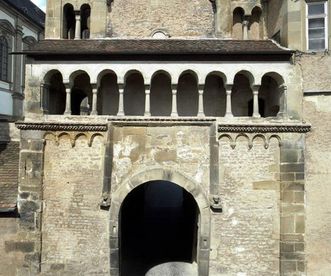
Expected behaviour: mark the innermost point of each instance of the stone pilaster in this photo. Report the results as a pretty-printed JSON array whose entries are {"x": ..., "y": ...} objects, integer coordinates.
[
  {"x": 30, "y": 200},
  {"x": 292, "y": 217}
]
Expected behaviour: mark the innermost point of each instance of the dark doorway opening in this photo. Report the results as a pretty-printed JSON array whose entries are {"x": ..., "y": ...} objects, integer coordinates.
[{"x": 158, "y": 224}]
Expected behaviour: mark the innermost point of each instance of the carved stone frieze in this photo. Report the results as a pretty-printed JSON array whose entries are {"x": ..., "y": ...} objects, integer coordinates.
[
  {"x": 50, "y": 126},
  {"x": 267, "y": 128},
  {"x": 72, "y": 136}
]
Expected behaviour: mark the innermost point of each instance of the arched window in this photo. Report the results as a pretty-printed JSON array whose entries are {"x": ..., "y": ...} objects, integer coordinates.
[
  {"x": 85, "y": 12},
  {"x": 255, "y": 24},
  {"x": 237, "y": 24},
  {"x": 4, "y": 59},
  {"x": 69, "y": 22}
]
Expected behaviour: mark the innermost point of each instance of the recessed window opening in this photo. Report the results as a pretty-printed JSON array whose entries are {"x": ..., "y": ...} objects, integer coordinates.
[
  {"x": 85, "y": 12},
  {"x": 214, "y": 96},
  {"x": 255, "y": 24},
  {"x": 269, "y": 97},
  {"x": 4, "y": 59},
  {"x": 242, "y": 96},
  {"x": 187, "y": 95},
  {"x": 158, "y": 225},
  {"x": 317, "y": 26},
  {"x": 54, "y": 91},
  {"x": 81, "y": 95},
  {"x": 161, "y": 95},
  {"x": 69, "y": 22},
  {"x": 108, "y": 95},
  {"x": 134, "y": 94},
  {"x": 237, "y": 24}
]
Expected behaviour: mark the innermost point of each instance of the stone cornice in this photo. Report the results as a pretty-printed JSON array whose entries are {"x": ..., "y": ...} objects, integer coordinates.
[
  {"x": 265, "y": 128},
  {"x": 50, "y": 126}
]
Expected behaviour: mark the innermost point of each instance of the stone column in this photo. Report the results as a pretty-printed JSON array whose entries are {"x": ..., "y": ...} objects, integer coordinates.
[
  {"x": 174, "y": 112},
  {"x": 44, "y": 98},
  {"x": 77, "y": 28},
  {"x": 200, "y": 109},
  {"x": 283, "y": 101},
  {"x": 245, "y": 27},
  {"x": 228, "y": 112},
  {"x": 121, "y": 100},
  {"x": 68, "y": 100},
  {"x": 256, "y": 113},
  {"x": 147, "y": 100},
  {"x": 94, "y": 99}
]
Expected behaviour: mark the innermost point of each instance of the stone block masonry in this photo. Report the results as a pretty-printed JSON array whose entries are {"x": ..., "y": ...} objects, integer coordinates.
[{"x": 9, "y": 161}]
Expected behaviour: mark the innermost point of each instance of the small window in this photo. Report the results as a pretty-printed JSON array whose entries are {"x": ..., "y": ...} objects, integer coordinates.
[
  {"x": 317, "y": 26},
  {"x": 4, "y": 58}
]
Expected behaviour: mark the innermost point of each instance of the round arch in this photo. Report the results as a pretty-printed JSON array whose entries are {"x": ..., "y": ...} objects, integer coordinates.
[{"x": 183, "y": 181}]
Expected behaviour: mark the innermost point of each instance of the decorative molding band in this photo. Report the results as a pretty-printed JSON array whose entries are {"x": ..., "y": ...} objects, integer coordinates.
[
  {"x": 61, "y": 126},
  {"x": 294, "y": 128},
  {"x": 165, "y": 121}
]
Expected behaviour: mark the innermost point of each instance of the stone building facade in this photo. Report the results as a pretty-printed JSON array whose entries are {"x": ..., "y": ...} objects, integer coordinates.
[
  {"x": 172, "y": 135},
  {"x": 21, "y": 25}
]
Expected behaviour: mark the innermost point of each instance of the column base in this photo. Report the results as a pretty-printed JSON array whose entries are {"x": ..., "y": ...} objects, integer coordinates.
[{"x": 229, "y": 115}]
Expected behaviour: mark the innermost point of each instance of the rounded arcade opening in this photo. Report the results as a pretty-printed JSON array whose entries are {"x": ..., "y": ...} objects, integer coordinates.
[{"x": 158, "y": 226}]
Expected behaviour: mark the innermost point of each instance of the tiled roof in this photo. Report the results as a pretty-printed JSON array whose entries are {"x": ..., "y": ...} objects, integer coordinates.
[
  {"x": 156, "y": 47},
  {"x": 28, "y": 9}
]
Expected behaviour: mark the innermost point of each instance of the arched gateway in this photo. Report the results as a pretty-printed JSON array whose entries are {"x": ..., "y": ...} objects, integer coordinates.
[{"x": 159, "y": 216}]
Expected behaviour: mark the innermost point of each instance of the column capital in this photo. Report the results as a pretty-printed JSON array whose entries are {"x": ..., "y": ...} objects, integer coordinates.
[
  {"x": 174, "y": 87},
  {"x": 256, "y": 87},
  {"x": 228, "y": 87},
  {"x": 94, "y": 88},
  {"x": 121, "y": 86},
  {"x": 67, "y": 85},
  {"x": 147, "y": 89},
  {"x": 283, "y": 87}
]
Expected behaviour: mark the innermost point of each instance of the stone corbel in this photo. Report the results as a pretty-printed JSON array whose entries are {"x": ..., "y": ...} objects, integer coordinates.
[
  {"x": 105, "y": 201},
  {"x": 215, "y": 203}
]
